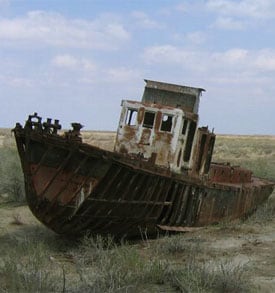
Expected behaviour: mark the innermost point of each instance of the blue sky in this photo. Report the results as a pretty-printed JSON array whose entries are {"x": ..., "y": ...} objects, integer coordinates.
[{"x": 74, "y": 60}]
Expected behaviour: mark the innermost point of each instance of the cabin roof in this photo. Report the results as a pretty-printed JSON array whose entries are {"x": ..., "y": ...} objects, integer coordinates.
[
  {"x": 173, "y": 95},
  {"x": 171, "y": 87}
]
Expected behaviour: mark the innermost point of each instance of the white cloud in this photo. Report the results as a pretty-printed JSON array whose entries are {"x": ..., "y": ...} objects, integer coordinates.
[
  {"x": 231, "y": 62},
  {"x": 70, "y": 62},
  {"x": 261, "y": 9},
  {"x": 85, "y": 71},
  {"x": 229, "y": 23},
  {"x": 186, "y": 6},
  {"x": 265, "y": 60},
  {"x": 233, "y": 56},
  {"x": 52, "y": 29},
  {"x": 116, "y": 31},
  {"x": 144, "y": 21},
  {"x": 166, "y": 54},
  {"x": 122, "y": 74},
  {"x": 66, "y": 61},
  {"x": 239, "y": 15},
  {"x": 15, "y": 81},
  {"x": 192, "y": 38},
  {"x": 231, "y": 14},
  {"x": 196, "y": 38}
]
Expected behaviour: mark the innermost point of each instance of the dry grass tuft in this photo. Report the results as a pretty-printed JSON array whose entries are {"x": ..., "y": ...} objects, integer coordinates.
[{"x": 17, "y": 220}]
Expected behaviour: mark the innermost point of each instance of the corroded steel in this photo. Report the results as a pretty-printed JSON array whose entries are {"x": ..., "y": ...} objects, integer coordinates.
[
  {"x": 159, "y": 176},
  {"x": 176, "y": 96},
  {"x": 228, "y": 173}
]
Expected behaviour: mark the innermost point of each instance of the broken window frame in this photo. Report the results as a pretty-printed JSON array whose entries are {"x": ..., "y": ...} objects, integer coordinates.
[
  {"x": 166, "y": 125},
  {"x": 148, "y": 122},
  {"x": 190, "y": 140},
  {"x": 131, "y": 117},
  {"x": 184, "y": 126}
]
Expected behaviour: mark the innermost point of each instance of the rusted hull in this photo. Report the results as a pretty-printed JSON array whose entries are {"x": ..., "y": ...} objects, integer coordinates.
[{"x": 72, "y": 187}]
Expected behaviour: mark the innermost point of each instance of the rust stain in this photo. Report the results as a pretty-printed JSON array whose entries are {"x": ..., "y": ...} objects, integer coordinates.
[{"x": 159, "y": 176}]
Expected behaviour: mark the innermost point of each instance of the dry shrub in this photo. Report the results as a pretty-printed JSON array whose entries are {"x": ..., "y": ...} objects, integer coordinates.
[
  {"x": 17, "y": 220},
  {"x": 27, "y": 268},
  {"x": 193, "y": 276},
  {"x": 11, "y": 176}
]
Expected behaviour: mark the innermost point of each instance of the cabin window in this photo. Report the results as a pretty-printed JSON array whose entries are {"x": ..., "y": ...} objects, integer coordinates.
[
  {"x": 131, "y": 117},
  {"x": 201, "y": 151},
  {"x": 209, "y": 154},
  {"x": 166, "y": 122},
  {"x": 184, "y": 127},
  {"x": 189, "y": 142},
  {"x": 149, "y": 118}
]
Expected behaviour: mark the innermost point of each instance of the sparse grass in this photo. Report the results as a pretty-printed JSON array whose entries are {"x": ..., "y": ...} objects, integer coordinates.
[
  {"x": 229, "y": 277},
  {"x": 105, "y": 266},
  {"x": 264, "y": 213},
  {"x": 188, "y": 271},
  {"x": 43, "y": 262},
  {"x": 11, "y": 176},
  {"x": 100, "y": 265},
  {"x": 123, "y": 268},
  {"x": 253, "y": 152},
  {"x": 26, "y": 267},
  {"x": 177, "y": 244},
  {"x": 193, "y": 276}
]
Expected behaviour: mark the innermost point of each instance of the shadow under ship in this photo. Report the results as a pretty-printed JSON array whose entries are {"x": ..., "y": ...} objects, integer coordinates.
[{"x": 159, "y": 176}]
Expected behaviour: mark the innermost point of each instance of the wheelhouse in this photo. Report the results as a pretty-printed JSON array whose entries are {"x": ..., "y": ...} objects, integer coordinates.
[{"x": 163, "y": 128}]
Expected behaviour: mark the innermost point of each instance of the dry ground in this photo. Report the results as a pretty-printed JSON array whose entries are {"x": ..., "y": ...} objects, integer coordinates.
[{"x": 249, "y": 244}]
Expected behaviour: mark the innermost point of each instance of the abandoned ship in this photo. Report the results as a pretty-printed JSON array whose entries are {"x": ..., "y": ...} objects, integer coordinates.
[{"x": 159, "y": 176}]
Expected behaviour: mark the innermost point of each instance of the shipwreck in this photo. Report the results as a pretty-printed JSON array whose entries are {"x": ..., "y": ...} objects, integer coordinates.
[{"x": 160, "y": 174}]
